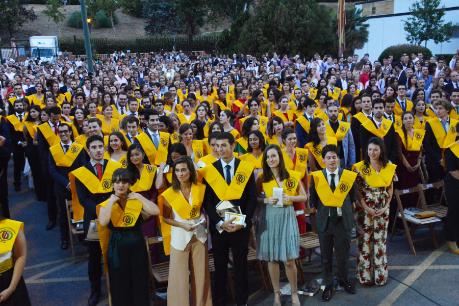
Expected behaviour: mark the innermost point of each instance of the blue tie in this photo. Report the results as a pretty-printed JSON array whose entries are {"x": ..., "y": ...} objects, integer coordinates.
[
  {"x": 444, "y": 122},
  {"x": 402, "y": 103},
  {"x": 228, "y": 174},
  {"x": 156, "y": 140}
]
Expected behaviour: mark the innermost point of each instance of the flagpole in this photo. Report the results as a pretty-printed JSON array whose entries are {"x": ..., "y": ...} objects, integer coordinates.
[{"x": 341, "y": 25}]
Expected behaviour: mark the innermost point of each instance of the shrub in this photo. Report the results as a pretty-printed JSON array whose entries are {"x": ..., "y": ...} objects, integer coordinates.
[
  {"x": 397, "y": 51},
  {"x": 101, "y": 20},
  {"x": 74, "y": 20}
]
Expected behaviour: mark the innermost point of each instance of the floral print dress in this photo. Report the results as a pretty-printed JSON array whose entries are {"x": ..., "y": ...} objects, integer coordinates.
[{"x": 372, "y": 236}]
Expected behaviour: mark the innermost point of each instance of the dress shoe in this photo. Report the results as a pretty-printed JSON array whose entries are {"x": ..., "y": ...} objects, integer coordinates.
[
  {"x": 328, "y": 293},
  {"x": 50, "y": 225},
  {"x": 64, "y": 244},
  {"x": 348, "y": 286},
  {"x": 94, "y": 298}
]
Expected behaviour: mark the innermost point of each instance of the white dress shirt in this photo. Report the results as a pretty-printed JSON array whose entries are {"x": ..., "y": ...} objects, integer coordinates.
[
  {"x": 336, "y": 173},
  {"x": 231, "y": 164}
]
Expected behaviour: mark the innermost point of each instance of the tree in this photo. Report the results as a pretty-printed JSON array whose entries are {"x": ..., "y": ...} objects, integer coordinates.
[
  {"x": 161, "y": 17},
  {"x": 13, "y": 15},
  {"x": 190, "y": 14},
  {"x": 231, "y": 9},
  {"x": 53, "y": 11},
  {"x": 109, "y": 6},
  {"x": 426, "y": 23},
  {"x": 355, "y": 30}
]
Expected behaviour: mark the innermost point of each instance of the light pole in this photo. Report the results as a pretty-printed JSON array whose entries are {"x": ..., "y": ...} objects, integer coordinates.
[{"x": 87, "y": 41}]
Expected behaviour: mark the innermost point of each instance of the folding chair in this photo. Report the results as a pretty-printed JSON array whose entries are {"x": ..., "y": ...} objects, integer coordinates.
[
  {"x": 438, "y": 208},
  {"x": 74, "y": 232}
]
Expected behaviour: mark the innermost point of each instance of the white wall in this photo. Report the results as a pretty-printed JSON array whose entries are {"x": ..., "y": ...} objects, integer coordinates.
[{"x": 388, "y": 31}]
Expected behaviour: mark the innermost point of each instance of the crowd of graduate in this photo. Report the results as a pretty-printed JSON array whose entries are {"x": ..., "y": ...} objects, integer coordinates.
[{"x": 153, "y": 145}]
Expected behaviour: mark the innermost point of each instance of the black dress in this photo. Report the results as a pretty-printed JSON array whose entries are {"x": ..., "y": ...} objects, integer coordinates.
[
  {"x": 20, "y": 296},
  {"x": 128, "y": 266},
  {"x": 452, "y": 194}
]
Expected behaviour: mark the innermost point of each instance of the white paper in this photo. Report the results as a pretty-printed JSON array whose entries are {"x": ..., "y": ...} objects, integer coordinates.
[
  {"x": 278, "y": 194},
  {"x": 239, "y": 218}
]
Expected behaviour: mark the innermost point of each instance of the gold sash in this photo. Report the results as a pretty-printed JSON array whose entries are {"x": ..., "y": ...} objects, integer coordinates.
[
  {"x": 340, "y": 132},
  {"x": 31, "y": 128},
  {"x": 147, "y": 178},
  {"x": 256, "y": 162},
  {"x": 380, "y": 132},
  {"x": 48, "y": 133},
  {"x": 243, "y": 143},
  {"x": 67, "y": 159},
  {"x": 155, "y": 156},
  {"x": 454, "y": 147},
  {"x": 92, "y": 183},
  {"x": 198, "y": 149},
  {"x": 301, "y": 162},
  {"x": 361, "y": 117},
  {"x": 182, "y": 118},
  {"x": 17, "y": 125},
  {"x": 382, "y": 179},
  {"x": 220, "y": 187},
  {"x": 289, "y": 185},
  {"x": 316, "y": 151},
  {"x": 443, "y": 139},
  {"x": 414, "y": 143},
  {"x": 305, "y": 124},
  {"x": 9, "y": 230},
  {"x": 336, "y": 198}
]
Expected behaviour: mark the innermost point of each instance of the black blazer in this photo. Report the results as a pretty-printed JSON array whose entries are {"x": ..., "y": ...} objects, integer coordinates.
[
  {"x": 60, "y": 175},
  {"x": 390, "y": 142},
  {"x": 5, "y": 150},
  {"x": 90, "y": 200},
  {"x": 324, "y": 211},
  {"x": 247, "y": 202}
]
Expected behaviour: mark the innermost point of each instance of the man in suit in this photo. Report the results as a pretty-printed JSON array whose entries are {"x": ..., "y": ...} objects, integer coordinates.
[
  {"x": 342, "y": 132},
  {"x": 334, "y": 218},
  {"x": 357, "y": 121},
  {"x": 302, "y": 124},
  {"x": 230, "y": 179},
  {"x": 64, "y": 157},
  {"x": 93, "y": 186},
  {"x": 5, "y": 153}
]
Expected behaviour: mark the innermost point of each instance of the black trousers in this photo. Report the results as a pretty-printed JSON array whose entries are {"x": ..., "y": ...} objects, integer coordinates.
[
  {"x": 62, "y": 194},
  {"x": 19, "y": 162},
  {"x": 39, "y": 180},
  {"x": 4, "y": 186},
  {"x": 221, "y": 244},
  {"x": 337, "y": 237},
  {"x": 452, "y": 217},
  {"x": 94, "y": 264}
]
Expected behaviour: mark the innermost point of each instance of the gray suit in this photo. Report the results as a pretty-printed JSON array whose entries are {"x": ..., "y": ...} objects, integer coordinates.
[{"x": 334, "y": 233}]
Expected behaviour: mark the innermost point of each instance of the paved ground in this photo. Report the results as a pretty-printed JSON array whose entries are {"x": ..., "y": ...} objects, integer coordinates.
[{"x": 54, "y": 278}]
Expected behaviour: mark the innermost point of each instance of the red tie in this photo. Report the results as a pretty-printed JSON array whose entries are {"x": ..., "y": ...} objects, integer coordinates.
[
  {"x": 56, "y": 129},
  {"x": 99, "y": 171}
]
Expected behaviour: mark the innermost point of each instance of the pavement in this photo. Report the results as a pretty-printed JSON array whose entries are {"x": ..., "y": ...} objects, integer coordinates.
[{"x": 53, "y": 277}]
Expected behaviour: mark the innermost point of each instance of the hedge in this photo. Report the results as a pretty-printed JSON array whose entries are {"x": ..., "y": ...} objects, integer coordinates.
[
  {"x": 151, "y": 44},
  {"x": 398, "y": 50}
]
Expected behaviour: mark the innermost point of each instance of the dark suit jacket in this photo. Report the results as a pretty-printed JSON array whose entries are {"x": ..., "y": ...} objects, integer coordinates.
[
  {"x": 324, "y": 211},
  {"x": 60, "y": 175},
  {"x": 247, "y": 202},
  {"x": 390, "y": 142},
  {"x": 5, "y": 150},
  {"x": 90, "y": 200}
]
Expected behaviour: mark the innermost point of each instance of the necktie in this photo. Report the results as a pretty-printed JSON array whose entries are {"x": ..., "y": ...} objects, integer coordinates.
[
  {"x": 155, "y": 140},
  {"x": 20, "y": 117},
  {"x": 66, "y": 148},
  {"x": 444, "y": 122},
  {"x": 228, "y": 174},
  {"x": 402, "y": 103},
  {"x": 333, "y": 211},
  {"x": 99, "y": 171},
  {"x": 122, "y": 111},
  {"x": 56, "y": 129}
]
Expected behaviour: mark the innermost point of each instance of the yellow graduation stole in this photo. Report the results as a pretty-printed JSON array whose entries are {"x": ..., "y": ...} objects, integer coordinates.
[
  {"x": 175, "y": 137},
  {"x": 155, "y": 156},
  {"x": 418, "y": 124},
  {"x": 119, "y": 218},
  {"x": 92, "y": 183},
  {"x": 31, "y": 128},
  {"x": 340, "y": 132},
  {"x": 301, "y": 162},
  {"x": 334, "y": 93},
  {"x": 208, "y": 159},
  {"x": 182, "y": 118},
  {"x": 454, "y": 147},
  {"x": 398, "y": 108},
  {"x": 243, "y": 143},
  {"x": 320, "y": 114},
  {"x": 316, "y": 151},
  {"x": 305, "y": 124},
  {"x": 17, "y": 125},
  {"x": 198, "y": 149},
  {"x": 235, "y": 133},
  {"x": 290, "y": 185},
  {"x": 397, "y": 122},
  {"x": 220, "y": 187},
  {"x": 413, "y": 143},
  {"x": 146, "y": 180},
  {"x": 182, "y": 207},
  {"x": 443, "y": 139},
  {"x": 48, "y": 133},
  {"x": 290, "y": 115},
  {"x": 375, "y": 180},
  {"x": 9, "y": 230},
  {"x": 107, "y": 128},
  {"x": 251, "y": 159},
  {"x": 68, "y": 158},
  {"x": 238, "y": 103},
  {"x": 223, "y": 106},
  {"x": 380, "y": 132},
  {"x": 81, "y": 139},
  {"x": 361, "y": 117},
  {"x": 337, "y": 197}
]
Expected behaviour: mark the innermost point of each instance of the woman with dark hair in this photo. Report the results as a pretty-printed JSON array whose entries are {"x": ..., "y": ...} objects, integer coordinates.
[
  {"x": 194, "y": 148},
  {"x": 412, "y": 86},
  {"x": 142, "y": 174},
  {"x": 287, "y": 115},
  {"x": 31, "y": 122},
  {"x": 419, "y": 114},
  {"x": 117, "y": 148},
  {"x": 122, "y": 241},
  {"x": 419, "y": 95},
  {"x": 78, "y": 118},
  {"x": 255, "y": 147},
  {"x": 184, "y": 232},
  {"x": 187, "y": 115},
  {"x": 274, "y": 131},
  {"x": 226, "y": 119},
  {"x": 13, "y": 251},
  {"x": 391, "y": 91},
  {"x": 319, "y": 139},
  {"x": 345, "y": 108},
  {"x": 198, "y": 129},
  {"x": 164, "y": 173},
  {"x": 38, "y": 98},
  {"x": 66, "y": 108},
  {"x": 451, "y": 193},
  {"x": 277, "y": 231},
  {"x": 109, "y": 124},
  {"x": 375, "y": 187},
  {"x": 356, "y": 105},
  {"x": 251, "y": 124},
  {"x": 221, "y": 103}
]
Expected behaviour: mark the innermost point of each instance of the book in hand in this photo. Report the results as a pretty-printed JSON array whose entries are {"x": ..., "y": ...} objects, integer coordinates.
[
  {"x": 226, "y": 206},
  {"x": 239, "y": 219},
  {"x": 278, "y": 193}
]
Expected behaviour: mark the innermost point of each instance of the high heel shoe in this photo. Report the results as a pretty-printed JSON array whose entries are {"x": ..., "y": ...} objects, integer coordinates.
[
  {"x": 296, "y": 303},
  {"x": 277, "y": 298},
  {"x": 452, "y": 246}
]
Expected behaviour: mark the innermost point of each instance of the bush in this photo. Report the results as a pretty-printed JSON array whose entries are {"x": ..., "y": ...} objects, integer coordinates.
[
  {"x": 102, "y": 20},
  {"x": 397, "y": 51},
  {"x": 74, "y": 20}
]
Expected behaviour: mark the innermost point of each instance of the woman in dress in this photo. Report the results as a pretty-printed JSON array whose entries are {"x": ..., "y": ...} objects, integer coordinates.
[
  {"x": 319, "y": 139},
  {"x": 375, "y": 187},
  {"x": 278, "y": 235},
  {"x": 117, "y": 148},
  {"x": 13, "y": 255},
  {"x": 185, "y": 236},
  {"x": 451, "y": 193},
  {"x": 122, "y": 242}
]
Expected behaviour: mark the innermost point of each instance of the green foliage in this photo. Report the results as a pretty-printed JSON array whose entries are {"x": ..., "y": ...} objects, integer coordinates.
[
  {"x": 426, "y": 23},
  {"x": 101, "y": 20},
  {"x": 161, "y": 17},
  {"x": 231, "y": 9},
  {"x": 53, "y": 11},
  {"x": 13, "y": 15},
  {"x": 74, "y": 20},
  {"x": 356, "y": 30},
  {"x": 133, "y": 7},
  {"x": 398, "y": 50}
]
